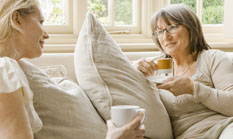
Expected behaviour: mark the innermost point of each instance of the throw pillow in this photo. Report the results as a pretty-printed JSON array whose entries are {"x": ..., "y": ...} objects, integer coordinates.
[
  {"x": 54, "y": 71},
  {"x": 107, "y": 76},
  {"x": 65, "y": 110}
]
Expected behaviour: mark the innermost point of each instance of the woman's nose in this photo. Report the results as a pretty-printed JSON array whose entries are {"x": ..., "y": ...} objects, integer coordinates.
[
  {"x": 166, "y": 35},
  {"x": 45, "y": 35}
]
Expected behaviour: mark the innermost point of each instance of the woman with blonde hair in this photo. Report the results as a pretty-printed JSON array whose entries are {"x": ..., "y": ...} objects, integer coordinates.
[{"x": 22, "y": 36}]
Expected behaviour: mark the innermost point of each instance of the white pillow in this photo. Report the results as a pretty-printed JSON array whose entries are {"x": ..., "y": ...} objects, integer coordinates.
[
  {"x": 108, "y": 78},
  {"x": 65, "y": 110}
]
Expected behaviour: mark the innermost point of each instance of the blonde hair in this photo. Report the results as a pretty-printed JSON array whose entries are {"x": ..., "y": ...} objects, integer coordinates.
[
  {"x": 181, "y": 14},
  {"x": 7, "y": 26},
  {"x": 7, "y": 8}
]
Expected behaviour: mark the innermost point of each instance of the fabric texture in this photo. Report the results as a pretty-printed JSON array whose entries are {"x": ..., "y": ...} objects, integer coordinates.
[
  {"x": 108, "y": 78},
  {"x": 210, "y": 110},
  {"x": 63, "y": 107},
  {"x": 55, "y": 70},
  {"x": 11, "y": 79},
  {"x": 227, "y": 132}
]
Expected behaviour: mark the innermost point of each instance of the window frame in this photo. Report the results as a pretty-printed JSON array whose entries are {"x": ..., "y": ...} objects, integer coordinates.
[
  {"x": 212, "y": 33},
  {"x": 63, "y": 29},
  {"x": 138, "y": 41}
]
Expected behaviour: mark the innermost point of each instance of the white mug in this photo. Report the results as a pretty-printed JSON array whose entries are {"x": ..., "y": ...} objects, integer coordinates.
[{"x": 123, "y": 114}]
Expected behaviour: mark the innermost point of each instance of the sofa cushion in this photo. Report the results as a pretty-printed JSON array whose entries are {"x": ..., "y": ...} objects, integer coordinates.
[
  {"x": 54, "y": 70},
  {"x": 108, "y": 78},
  {"x": 65, "y": 110}
]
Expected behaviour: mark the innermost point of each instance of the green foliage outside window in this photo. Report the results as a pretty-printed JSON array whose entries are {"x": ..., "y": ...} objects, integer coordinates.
[
  {"x": 100, "y": 9},
  {"x": 212, "y": 12},
  {"x": 123, "y": 11},
  {"x": 190, "y": 3},
  {"x": 53, "y": 11}
]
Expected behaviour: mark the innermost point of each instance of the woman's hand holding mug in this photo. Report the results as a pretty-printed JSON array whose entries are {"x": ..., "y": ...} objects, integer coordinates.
[{"x": 126, "y": 122}]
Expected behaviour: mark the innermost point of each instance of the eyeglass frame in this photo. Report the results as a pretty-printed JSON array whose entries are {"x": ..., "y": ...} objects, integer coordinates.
[{"x": 157, "y": 36}]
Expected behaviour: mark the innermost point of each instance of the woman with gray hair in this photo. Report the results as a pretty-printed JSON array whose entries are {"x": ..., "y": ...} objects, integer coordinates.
[{"x": 200, "y": 93}]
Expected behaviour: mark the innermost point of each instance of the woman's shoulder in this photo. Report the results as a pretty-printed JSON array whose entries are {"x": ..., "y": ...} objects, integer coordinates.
[
  {"x": 8, "y": 65},
  {"x": 4, "y": 61},
  {"x": 9, "y": 79},
  {"x": 212, "y": 58},
  {"x": 214, "y": 54}
]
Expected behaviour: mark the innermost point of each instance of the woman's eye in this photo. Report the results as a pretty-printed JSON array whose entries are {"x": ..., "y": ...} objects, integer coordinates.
[{"x": 170, "y": 28}]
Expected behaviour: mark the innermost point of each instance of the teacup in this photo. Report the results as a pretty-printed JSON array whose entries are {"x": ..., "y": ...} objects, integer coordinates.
[
  {"x": 164, "y": 70},
  {"x": 164, "y": 66},
  {"x": 123, "y": 114}
]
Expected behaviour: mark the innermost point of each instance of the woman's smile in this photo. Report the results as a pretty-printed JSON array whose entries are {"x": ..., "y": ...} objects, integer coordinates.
[
  {"x": 41, "y": 43},
  {"x": 169, "y": 44}
]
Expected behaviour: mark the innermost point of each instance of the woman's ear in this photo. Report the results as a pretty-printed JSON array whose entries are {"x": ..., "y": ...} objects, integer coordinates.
[{"x": 18, "y": 21}]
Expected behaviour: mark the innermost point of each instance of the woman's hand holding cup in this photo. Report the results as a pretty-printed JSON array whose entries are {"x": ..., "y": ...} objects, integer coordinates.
[
  {"x": 162, "y": 66},
  {"x": 147, "y": 67},
  {"x": 128, "y": 131},
  {"x": 126, "y": 122}
]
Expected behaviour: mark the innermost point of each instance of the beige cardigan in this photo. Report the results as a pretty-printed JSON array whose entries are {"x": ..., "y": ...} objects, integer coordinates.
[{"x": 210, "y": 110}]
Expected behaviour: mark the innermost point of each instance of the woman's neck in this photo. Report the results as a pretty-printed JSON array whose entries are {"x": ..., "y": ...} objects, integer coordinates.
[
  {"x": 185, "y": 65},
  {"x": 7, "y": 49},
  {"x": 3, "y": 50},
  {"x": 184, "y": 60}
]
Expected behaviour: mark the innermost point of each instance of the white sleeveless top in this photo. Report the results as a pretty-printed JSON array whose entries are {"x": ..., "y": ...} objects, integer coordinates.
[{"x": 11, "y": 79}]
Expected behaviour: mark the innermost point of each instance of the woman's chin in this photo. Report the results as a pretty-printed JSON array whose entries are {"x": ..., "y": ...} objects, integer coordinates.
[
  {"x": 169, "y": 52},
  {"x": 35, "y": 55},
  {"x": 38, "y": 54}
]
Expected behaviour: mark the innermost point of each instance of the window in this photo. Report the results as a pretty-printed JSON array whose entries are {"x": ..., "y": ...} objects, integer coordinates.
[
  {"x": 54, "y": 12},
  {"x": 211, "y": 15},
  {"x": 208, "y": 11},
  {"x": 118, "y": 16},
  {"x": 58, "y": 16},
  {"x": 128, "y": 21}
]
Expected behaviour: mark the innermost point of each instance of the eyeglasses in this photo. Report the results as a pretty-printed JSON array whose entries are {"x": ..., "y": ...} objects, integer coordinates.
[{"x": 170, "y": 29}]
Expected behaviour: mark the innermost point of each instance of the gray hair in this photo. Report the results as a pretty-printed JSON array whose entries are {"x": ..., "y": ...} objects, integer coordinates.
[
  {"x": 181, "y": 14},
  {"x": 7, "y": 26}
]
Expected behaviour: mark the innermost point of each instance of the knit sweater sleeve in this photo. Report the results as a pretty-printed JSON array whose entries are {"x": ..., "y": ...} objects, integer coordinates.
[{"x": 219, "y": 95}]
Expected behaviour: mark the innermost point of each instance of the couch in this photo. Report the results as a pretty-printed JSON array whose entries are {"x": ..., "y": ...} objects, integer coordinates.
[
  {"x": 62, "y": 106},
  {"x": 67, "y": 60},
  {"x": 103, "y": 76}
]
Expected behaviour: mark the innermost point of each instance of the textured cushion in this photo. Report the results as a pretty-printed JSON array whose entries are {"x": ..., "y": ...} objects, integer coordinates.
[
  {"x": 54, "y": 71},
  {"x": 108, "y": 78},
  {"x": 63, "y": 107}
]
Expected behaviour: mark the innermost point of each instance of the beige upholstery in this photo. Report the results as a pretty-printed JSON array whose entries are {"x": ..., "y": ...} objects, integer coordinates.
[{"x": 67, "y": 59}]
